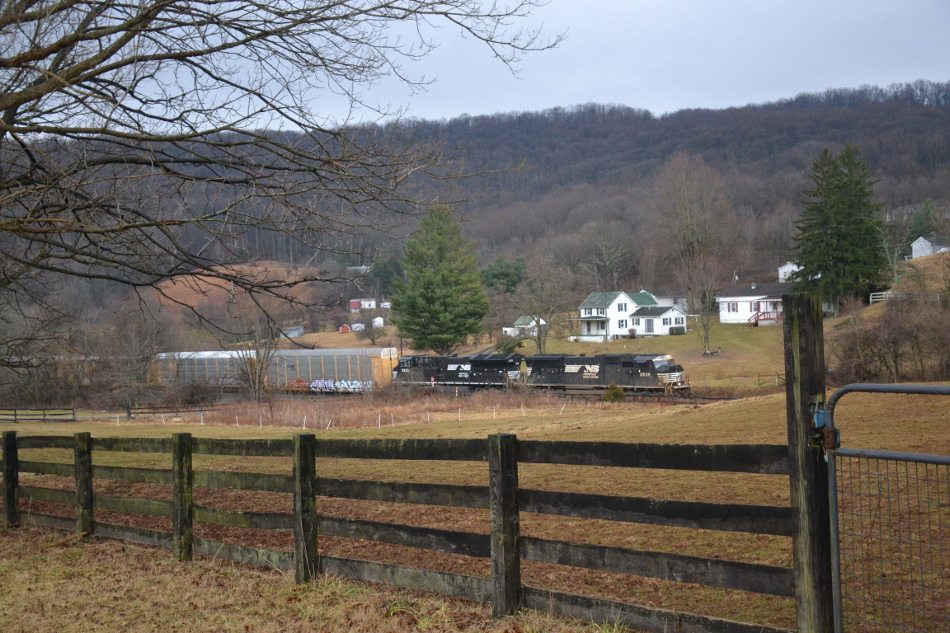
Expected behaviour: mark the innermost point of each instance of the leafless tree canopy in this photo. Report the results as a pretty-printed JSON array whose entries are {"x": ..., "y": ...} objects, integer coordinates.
[{"x": 147, "y": 140}]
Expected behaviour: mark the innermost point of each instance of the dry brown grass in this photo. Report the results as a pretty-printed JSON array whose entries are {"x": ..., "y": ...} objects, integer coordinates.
[
  {"x": 915, "y": 424},
  {"x": 57, "y": 586},
  {"x": 925, "y": 274}
]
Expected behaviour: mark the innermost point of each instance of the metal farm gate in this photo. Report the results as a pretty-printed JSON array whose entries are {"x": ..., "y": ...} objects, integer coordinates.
[{"x": 890, "y": 522}]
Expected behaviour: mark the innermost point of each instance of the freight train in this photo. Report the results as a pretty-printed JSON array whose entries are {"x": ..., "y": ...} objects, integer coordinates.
[
  {"x": 300, "y": 370},
  {"x": 631, "y": 372}
]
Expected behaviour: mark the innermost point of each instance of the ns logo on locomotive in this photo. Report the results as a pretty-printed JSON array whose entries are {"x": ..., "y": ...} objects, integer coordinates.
[{"x": 631, "y": 372}]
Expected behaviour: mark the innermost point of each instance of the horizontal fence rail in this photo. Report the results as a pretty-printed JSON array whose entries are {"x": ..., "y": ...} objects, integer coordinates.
[
  {"x": 37, "y": 415},
  {"x": 502, "y": 545}
]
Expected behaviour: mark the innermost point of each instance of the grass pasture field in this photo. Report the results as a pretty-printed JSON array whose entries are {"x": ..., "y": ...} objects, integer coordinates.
[{"x": 57, "y": 583}]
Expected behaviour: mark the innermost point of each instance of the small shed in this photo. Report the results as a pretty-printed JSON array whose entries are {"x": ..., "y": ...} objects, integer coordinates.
[
  {"x": 378, "y": 322},
  {"x": 344, "y": 329}
]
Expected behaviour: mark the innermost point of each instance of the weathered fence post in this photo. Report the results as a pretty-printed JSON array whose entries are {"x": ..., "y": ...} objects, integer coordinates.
[
  {"x": 505, "y": 524},
  {"x": 306, "y": 561},
  {"x": 83, "y": 462},
  {"x": 183, "y": 538},
  {"x": 11, "y": 481},
  {"x": 805, "y": 395}
]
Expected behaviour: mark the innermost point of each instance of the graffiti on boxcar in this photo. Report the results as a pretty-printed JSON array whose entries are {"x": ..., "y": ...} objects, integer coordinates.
[{"x": 340, "y": 386}]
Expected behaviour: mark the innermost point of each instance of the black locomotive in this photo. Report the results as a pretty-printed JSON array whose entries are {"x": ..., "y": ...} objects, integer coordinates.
[{"x": 631, "y": 372}]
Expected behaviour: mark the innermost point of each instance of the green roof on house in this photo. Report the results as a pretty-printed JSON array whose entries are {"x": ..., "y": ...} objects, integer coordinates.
[
  {"x": 652, "y": 311},
  {"x": 528, "y": 320},
  {"x": 644, "y": 298},
  {"x": 600, "y": 299}
]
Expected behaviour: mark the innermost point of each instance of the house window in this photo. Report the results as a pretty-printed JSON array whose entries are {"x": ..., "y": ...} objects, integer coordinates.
[
  {"x": 667, "y": 321},
  {"x": 733, "y": 307},
  {"x": 680, "y": 321},
  {"x": 588, "y": 312},
  {"x": 753, "y": 307},
  {"x": 601, "y": 311},
  {"x": 601, "y": 324},
  {"x": 622, "y": 323},
  {"x": 636, "y": 323},
  {"x": 621, "y": 307}
]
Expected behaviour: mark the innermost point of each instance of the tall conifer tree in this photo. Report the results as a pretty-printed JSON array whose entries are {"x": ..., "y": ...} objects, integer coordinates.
[
  {"x": 441, "y": 302},
  {"x": 841, "y": 236}
]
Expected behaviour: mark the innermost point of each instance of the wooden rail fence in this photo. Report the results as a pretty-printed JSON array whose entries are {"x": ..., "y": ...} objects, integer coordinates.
[
  {"x": 504, "y": 545},
  {"x": 37, "y": 415}
]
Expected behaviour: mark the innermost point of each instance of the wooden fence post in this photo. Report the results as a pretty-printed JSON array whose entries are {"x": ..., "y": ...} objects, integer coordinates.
[
  {"x": 11, "y": 481},
  {"x": 183, "y": 538},
  {"x": 306, "y": 561},
  {"x": 505, "y": 524},
  {"x": 83, "y": 462},
  {"x": 805, "y": 394}
]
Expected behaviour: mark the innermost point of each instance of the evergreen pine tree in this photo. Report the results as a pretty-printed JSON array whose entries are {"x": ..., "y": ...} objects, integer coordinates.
[
  {"x": 841, "y": 235},
  {"x": 441, "y": 302}
]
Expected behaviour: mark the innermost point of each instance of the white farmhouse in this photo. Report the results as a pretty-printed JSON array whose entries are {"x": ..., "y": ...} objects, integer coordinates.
[
  {"x": 753, "y": 304},
  {"x": 605, "y": 316}
]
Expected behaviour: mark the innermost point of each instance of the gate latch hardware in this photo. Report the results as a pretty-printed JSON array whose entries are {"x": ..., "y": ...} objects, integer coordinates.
[{"x": 823, "y": 435}]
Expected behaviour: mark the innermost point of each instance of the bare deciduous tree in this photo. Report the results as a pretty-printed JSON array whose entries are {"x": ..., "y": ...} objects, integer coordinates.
[
  {"x": 701, "y": 277},
  {"x": 696, "y": 217},
  {"x": 699, "y": 223},
  {"x": 547, "y": 294},
  {"x": 151, "y": 140}
]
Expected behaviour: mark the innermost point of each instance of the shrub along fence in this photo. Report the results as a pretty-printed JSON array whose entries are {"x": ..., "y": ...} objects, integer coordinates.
[{"x": 504, "y": 545}]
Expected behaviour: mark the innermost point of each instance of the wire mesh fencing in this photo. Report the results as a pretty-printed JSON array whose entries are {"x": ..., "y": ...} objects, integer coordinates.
[{"x": 894, "y": 540}]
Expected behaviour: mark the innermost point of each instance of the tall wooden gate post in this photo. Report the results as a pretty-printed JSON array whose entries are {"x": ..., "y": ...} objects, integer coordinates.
[
  {"x": 805, "y": 395},
  {"x": 83, "y": 461},
  {"x": 11, "y": 481},
  {"x": 183, "y": 519},
  {"x": 306, "y": 561},
  {"x": 505, "y": 524}
]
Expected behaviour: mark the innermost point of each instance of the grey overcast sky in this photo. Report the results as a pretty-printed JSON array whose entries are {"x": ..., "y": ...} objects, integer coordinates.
[{"x": 667, "y": 55}]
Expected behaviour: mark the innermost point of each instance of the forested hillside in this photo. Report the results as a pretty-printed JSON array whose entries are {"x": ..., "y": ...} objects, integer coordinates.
[{"x": 587, "y": 177}]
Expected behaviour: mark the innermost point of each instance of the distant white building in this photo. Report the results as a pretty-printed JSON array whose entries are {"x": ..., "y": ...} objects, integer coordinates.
[
  {"x": 786, "y": 269},
  {"x": 362, "y": 304},
  {"x": 924, "y": 246},
  {"x": 753, "y": 303},
  {"x": 525, "y": 326}
]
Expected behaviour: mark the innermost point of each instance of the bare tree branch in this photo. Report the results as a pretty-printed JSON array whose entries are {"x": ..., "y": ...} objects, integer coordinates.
[{"x": 145, "y": 141}]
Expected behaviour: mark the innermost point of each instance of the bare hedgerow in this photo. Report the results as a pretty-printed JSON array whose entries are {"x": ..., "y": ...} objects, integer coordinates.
[{"x": 910, "y": 341}]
